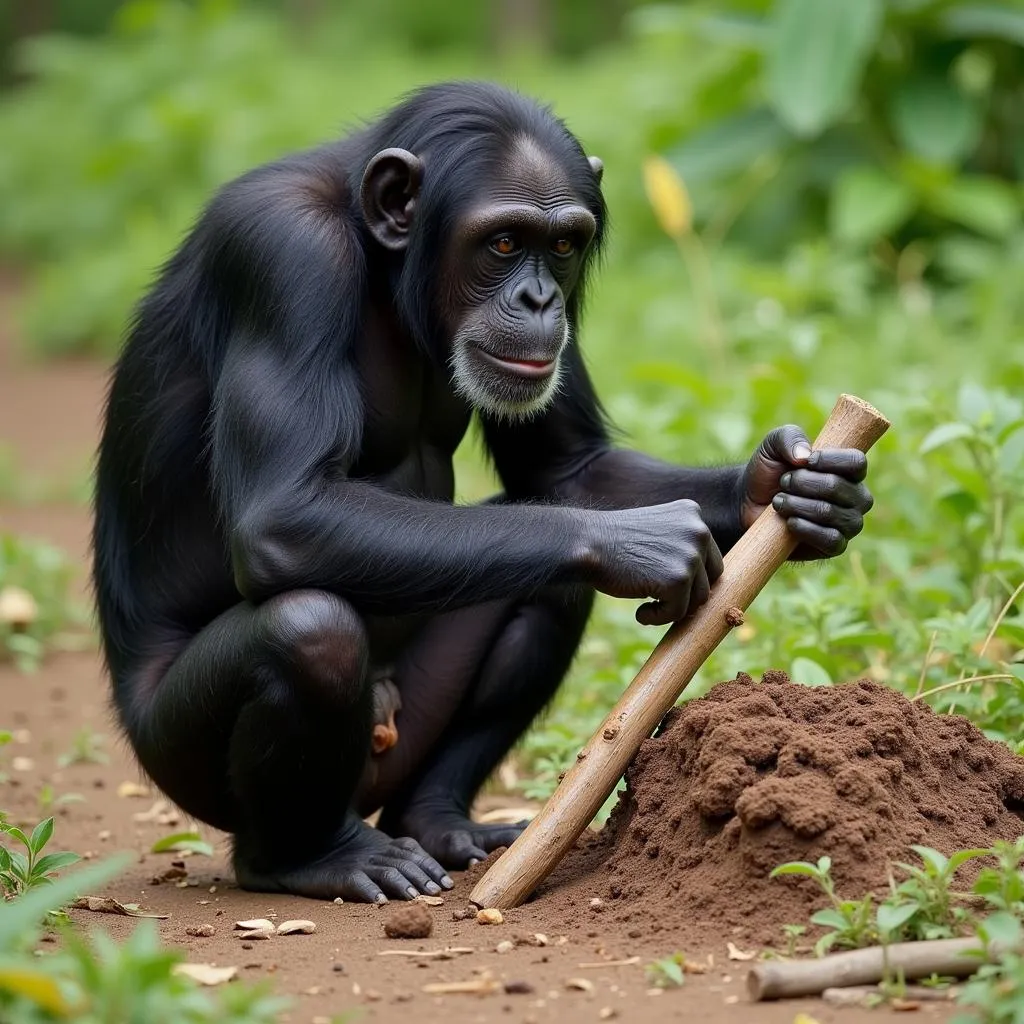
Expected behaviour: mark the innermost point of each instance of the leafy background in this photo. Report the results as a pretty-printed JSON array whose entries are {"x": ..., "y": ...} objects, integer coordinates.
[{"x": 851, "y": 176}]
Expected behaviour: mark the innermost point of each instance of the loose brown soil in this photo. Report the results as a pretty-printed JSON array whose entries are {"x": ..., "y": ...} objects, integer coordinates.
[
  {"x": 49, "y": 416},
  {"x": 752, "y": 776}
]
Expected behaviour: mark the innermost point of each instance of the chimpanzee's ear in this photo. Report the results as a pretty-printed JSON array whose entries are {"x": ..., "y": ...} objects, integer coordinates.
[
  {"x": 598, "y": 167},
  {"x": 391, "y": 184}
]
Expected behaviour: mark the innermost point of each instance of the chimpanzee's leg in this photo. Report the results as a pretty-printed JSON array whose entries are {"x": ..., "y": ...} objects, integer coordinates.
[
  {"x": 261, "y": 726},
  {"x": 530, "y": 653}
]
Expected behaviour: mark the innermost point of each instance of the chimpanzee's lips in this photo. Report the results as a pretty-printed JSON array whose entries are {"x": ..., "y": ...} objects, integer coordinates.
[{"x": 534, "y": 369}]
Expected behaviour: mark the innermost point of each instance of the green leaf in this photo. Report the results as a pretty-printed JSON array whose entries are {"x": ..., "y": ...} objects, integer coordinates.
[
  {"x": 986, "y": 205},
  {"x": 809, "y": 672},
  {"x": 728, "y": 146},
  {"x": 672, "y": 970},
  {"x": 934, "y": 119},
  {"x": 891, "y": 918},
  {"x": 867, "y": 204},
  {"x": 819, "y": 51},
  {"x": 55, "y": 861},
  {"x": 41, "y": 835},
  {"x": 1002, "y": 927},
  {"x": 935, "y": 860},
  {"x": 943, "y": 435},
  {"x": 15, "y": 833},
  {"x": 182, "y": 841},
  {"x": 985, "y": 21},
  {"x": 829, "y": 918},
  {"x": 796, "y": 867},
  {"x": 963, "y": 856}
]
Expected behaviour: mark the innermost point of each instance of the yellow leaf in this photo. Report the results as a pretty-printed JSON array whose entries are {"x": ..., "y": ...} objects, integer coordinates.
[
  {"x": 668, "y": 197},
  {"x": 35, "y": 986},
  {"x": 803, "y": 1018}
]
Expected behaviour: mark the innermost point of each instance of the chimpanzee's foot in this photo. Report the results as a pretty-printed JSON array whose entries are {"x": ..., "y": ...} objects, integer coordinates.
[
  {"x": 454, "y": 840},
  {"x": 365, "y": 865}
]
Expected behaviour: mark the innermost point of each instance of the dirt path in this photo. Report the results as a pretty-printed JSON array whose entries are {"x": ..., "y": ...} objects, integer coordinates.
[{"x": 49, "y": 417}]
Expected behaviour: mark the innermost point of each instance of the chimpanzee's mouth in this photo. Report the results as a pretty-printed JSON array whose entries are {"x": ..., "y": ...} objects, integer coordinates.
[{"x": 533, "y": 369}]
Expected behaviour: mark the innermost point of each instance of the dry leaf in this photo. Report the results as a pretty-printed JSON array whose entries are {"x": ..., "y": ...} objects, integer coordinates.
[
  {"x": 257, "y": 924},
  {"x": 206, "y": 974},
  {"x": 607, "y": 1013},
  {"x": 201, "y": 931},
  {"x": 668, "y": 197},
  {"x": 18, "y": 607},
  {"x": 610, "y": 963},
  {"x": 579, "y": 984},
  {"x": 735, "y": 953},
  {"x": 296, "y": 928},
  {"x": 904, "y": 1005},
  {"x": 128, "y": 790},
  {"x": 430, "y": 901},
  {"x": 108, "y": 905},
  {"x": 489, "y": 916},
  {"x": 804, "y": 1018}
]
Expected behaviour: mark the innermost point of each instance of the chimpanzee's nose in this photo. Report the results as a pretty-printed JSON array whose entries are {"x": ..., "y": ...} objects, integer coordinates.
[{"x": 536, "y": 295}]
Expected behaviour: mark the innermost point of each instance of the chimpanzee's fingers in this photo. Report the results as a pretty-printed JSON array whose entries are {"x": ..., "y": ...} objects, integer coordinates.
[
  {"x": 700, "y": 591},
  {"x": 415, "y": 875},
  {"x": 849, "y": 522},
  {"x": 424, "y": 861},
  {"x": 850, "y": 463},
  {"x": 359, "y": 888},
  {"x": 809, "y": 483},
  {"x": 826, "y": 539},
  {"x": 786, "y": 444},
  {"x": 392, "y": 880},
  {"x": 670, "y": 608},
  {"x": 713, "y": 564}
]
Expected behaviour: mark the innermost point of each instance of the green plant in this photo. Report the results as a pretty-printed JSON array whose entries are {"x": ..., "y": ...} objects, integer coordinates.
[
  {"x": 851, "y": 921},
  {"x": 179, "y": 841},
  {"x": 85, "y": 749},
  {"x": 668, "y": 972},
  {"x": 20, "y": 872},
  {"x": 793, "y": 933}
]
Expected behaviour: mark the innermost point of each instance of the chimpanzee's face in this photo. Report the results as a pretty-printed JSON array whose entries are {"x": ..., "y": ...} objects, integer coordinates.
[{"x": 515, "y": 258}]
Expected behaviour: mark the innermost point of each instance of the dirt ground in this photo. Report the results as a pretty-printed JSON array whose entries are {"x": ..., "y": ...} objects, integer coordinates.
[{"x": 49, "y": 416}]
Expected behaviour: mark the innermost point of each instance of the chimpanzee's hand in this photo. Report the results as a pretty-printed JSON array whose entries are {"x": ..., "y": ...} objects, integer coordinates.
[
  {"x": 820, "y": 494},
  {"x": 662, "y": 551}
]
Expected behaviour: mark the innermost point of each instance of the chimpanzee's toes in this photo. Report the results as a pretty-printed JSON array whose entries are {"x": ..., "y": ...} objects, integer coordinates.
[{"x": 364, "y": 865}]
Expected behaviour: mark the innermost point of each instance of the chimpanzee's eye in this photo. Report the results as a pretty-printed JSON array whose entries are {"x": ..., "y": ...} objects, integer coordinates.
[
  {"x": 505, "y": 245},
  {"x": 563, "y": 247}
]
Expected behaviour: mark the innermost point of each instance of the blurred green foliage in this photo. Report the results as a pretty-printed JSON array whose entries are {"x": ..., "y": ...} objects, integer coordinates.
[{"x": 855, "y": 174}]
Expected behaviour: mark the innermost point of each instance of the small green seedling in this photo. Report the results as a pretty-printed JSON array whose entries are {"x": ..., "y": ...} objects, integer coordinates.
[
  {"x": 181, "y": 841},
  {"x": 667, "y": 972},
  {"x": 793, "y": 932},
  {"x": 851, "y": 921},
  {"x": 1002, "y": 887},
  {"x": 85, "y": 749},
  {"x": 20, "y": 872},
  {"x": 48, "y": 798}
]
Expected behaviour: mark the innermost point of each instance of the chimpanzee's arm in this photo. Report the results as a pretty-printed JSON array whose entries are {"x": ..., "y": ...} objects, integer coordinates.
[{"x": 566, "y": 454}]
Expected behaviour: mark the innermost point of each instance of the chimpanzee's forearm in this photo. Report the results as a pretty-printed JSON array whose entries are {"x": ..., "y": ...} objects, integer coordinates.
[
  {"x": 390, "y": 554},
  {"x": 619, "y": 478}
]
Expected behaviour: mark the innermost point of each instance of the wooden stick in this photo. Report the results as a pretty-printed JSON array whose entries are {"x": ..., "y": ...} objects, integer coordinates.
[
  {"x": 956, "y": 958},
  {"x": 682, "y": 650}
]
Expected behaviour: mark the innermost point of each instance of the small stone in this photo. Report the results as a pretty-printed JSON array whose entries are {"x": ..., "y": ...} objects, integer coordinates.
[
  {"x": 246, "y": 945},
  {"x": 201, "y": 931},
  {"x": 490, "y": 916},
  {"x": 430, "y": 901},
  {"x": 372, "y": 995},
  {"x": 409, "y": 922},
  {"x": 519, "y": 988},
  {"x": 607, "y": 1013},
  {"x": 129, "y": 790},
  {"x": 505, "y": 947},
  {"x": 579, "y": 985},
  {"x": 103, "y": 835},
  {"x": 22, "y": 764},
  {"x": 18, "y": 607},
  {"x": 339, "y": 901},
  {"x": 338, "y": 968},
  {"x": 464, "y": 914},
  {"x": 596, "y": 903}
]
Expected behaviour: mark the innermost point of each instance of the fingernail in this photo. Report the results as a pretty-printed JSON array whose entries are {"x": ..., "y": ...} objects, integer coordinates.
[
  {"x": 447, "y": 882},
  {"x": 473, "y": 862},
  {"x": 412, "y": 892},
  {"x": 812, "y": 459},
  {"x": 433, "y": 888},
  {"x": 785, "y": 480},
  {"x": 777, "y": 502},
  {"x": 801, "y": 451},
  {"x": 381, "y": 899}
]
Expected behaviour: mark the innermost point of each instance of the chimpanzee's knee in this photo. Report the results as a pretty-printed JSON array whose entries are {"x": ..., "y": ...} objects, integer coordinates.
[{"x": 320, "y": 642}]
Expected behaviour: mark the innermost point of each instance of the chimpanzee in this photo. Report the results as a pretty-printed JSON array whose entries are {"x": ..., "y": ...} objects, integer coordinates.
[{"x": 275, "y": 521}]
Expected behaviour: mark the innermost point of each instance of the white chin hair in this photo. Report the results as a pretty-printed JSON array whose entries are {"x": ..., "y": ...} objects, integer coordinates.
[{"x": 490, "y": 397}]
